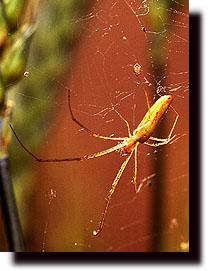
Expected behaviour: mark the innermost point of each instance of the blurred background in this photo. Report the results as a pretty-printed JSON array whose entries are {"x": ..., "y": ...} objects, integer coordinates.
[{"x": 93, "y": 47}]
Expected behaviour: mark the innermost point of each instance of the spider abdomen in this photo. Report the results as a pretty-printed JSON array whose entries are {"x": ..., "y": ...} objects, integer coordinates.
[{"x": 151, "y": 119}]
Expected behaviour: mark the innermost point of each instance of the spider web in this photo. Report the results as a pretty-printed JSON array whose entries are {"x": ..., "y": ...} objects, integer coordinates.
[{"x": 125, "y": 48}]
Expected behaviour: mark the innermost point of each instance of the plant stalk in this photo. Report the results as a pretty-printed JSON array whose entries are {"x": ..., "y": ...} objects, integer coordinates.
[{"x": 9, "y": 208}]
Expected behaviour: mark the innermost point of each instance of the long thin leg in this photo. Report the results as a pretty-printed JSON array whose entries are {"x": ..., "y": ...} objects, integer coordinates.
[
  {"x": 101, "y": 153},
  {"x": 135, "y": 168},
  {"x": 147, "y": 99},
  {"x": 174, "y": 124},
  {"x": 124, "y": 120},
  {"x": 157, "y": 144},
  {"x": 84, "y": 127},
  {"x": 67, "y": 159},
  {"x": 160, "y": 139},
  {"x": 165, "y": 142},
  {"x": 110, "y": 193}
]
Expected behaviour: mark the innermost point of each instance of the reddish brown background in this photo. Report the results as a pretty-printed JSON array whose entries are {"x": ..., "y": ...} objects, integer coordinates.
[{"x": 157, "y": 218}]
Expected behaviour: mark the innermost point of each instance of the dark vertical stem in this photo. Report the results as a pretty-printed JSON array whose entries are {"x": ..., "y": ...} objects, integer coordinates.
[
  {"x": 159, "y": 53},
  {"x": 195, "y": 137},
  {"x": 159, "y": 165},
  {"x": 160, "y": 169},
  {"x": 10, "y": 212}
]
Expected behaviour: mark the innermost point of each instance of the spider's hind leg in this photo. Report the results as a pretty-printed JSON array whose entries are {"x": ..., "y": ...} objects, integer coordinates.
[
  {"x": 110, "y": 193},
  {"x": 135, "y": 168}
]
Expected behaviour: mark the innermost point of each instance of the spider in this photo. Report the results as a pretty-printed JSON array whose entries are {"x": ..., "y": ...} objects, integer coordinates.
[{"x": 126, "y": 145}]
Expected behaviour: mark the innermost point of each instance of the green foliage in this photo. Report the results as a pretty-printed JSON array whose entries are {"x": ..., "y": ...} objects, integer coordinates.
[
  {"x": 3, "y": 29},
  {"x": 13, "y": 10},
  {"x": 58, "y": 28},
  {"x": 13, "y": 58}
]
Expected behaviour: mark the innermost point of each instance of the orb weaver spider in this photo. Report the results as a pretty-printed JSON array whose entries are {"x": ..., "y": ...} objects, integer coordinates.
[{"x": 126, "y": 145}]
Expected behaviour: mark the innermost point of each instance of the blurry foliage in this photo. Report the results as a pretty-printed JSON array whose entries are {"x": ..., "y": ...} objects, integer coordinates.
[
  {"x": 57, "y": 28},
  {"x": 11, "y": 12},
  {"x": 56, "y": 31},
  {"x": 159, "y": 41},
  {"x": 15, "y": 37},
  {"x": 54, "y": 27},
  {"x": 14, "y": 44}
]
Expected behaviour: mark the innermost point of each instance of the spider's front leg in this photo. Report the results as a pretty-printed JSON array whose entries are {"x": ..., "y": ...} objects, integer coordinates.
[
  {"x": 123, "y": 119},
  {"x": 164, "y": 141},
  {"x": 68, "y": 159}
]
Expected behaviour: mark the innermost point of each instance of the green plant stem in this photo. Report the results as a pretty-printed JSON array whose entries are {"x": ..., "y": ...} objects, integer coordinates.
[
  {"x": 9, "y": 208},
  {"x": 4, "y": 13}
]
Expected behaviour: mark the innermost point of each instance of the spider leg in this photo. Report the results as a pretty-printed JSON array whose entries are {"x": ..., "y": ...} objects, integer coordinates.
[
  {"x": 110, "y": 193},
  {"x": 101, "y": 153},
  {"x": 135, "y": 168},
  {"x": 124, "y": 120},
  {"x": 160, "y": 139},
  {"x": 174, "y": 124},
  {"x": 157, "y": 144},
  {"x": 164, "y": 141},
  {"x": 84, "y": 127},
  {"x": 147, "y": 99},
  {"x": 68, "y": 159}
]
